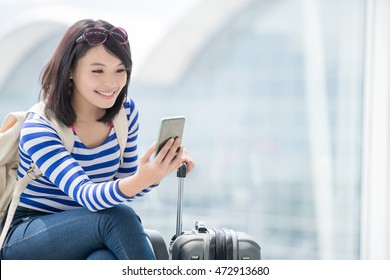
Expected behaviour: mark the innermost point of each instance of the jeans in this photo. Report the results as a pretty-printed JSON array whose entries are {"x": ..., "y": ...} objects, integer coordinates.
[{"x": 114, "y": 233}]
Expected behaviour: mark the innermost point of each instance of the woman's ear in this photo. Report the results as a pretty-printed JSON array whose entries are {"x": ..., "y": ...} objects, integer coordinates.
[{"x": 70, "y": 75}]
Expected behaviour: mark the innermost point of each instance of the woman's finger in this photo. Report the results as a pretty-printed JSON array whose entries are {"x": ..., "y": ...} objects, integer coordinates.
[
  {"x": 146, "y": 156},
  {"x": 164, "y": 150}
]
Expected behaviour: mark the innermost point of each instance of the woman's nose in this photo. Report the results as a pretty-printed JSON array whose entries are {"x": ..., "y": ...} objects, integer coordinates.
[{"x": 110, "y": 80}]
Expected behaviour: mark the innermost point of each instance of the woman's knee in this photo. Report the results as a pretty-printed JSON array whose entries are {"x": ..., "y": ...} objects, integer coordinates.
[
  {"x": 121, "y": 216},
  {"x": 123, "y": 212},
  {"x": 121, "y": 231}
]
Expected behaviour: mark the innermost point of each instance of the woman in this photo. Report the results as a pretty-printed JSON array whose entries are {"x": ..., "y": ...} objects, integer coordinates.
[{"x": 75, "y": 210}]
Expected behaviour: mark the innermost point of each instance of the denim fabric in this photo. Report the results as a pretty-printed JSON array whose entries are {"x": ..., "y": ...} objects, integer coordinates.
[{"x": 114, "y": 233}]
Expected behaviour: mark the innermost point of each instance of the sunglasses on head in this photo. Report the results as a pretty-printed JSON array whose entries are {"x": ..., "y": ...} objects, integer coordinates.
[{"x": 98, "y": 35}]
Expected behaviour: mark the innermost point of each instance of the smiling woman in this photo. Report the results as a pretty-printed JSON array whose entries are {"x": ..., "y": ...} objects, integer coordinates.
[
  {"x": 274, "y": 102},
  {"x": 97, "y": 80},
  {"x": 97, "y": 74},
  {"x": 77, "y": 52},
  {"x": 81, "y": 192}
]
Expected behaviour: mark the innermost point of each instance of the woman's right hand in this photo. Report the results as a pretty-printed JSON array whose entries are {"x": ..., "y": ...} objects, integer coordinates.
[
  {"x": 152, "y": 170},
  {"x": 167, "y": 160}
]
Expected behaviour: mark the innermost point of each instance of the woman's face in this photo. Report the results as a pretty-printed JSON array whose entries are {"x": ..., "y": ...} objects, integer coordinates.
[{"x": 98, "y": 78}]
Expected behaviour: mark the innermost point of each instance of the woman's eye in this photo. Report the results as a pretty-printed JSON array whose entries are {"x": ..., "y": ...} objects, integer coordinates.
[
  {"x": 121, "y": 70},
  {"x": 97, "y": 71}
]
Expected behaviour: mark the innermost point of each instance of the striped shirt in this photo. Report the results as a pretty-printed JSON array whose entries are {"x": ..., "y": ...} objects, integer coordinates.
[{"x": 86, "y": 177}]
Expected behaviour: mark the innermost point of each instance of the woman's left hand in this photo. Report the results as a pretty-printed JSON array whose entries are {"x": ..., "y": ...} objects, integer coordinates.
[{"x": 186, "y": 158}]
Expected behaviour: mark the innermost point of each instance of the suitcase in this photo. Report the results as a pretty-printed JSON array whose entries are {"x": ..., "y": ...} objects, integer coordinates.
[{"x": 203, "y": 243}]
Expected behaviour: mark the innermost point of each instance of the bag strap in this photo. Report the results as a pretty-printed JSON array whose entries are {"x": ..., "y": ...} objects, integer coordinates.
[
  {"x": 19, "y": 188},
  {"x": 121, "y": 126},
  {"x": 11, "y": 126},
  {"x": 66, "y": 135}
]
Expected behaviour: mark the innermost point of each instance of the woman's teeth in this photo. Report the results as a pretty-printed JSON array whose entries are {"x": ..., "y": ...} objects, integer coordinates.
[{"x": 105, "y": 93}]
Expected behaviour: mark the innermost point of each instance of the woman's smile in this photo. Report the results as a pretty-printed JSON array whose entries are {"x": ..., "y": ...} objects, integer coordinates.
[
  {"x": 106, "y": 94},
  {"x": 100, "y": 73}
]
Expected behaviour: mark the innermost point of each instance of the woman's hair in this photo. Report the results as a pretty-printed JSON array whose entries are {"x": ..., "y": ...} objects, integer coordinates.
[{"x": 57, "y": 88}]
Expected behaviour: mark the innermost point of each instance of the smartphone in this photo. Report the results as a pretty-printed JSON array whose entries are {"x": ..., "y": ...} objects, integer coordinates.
[{"x": 171, "y": 127}]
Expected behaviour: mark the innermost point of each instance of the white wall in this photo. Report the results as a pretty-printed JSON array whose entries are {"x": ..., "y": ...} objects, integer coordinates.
[{"x": 375, "y": 227}]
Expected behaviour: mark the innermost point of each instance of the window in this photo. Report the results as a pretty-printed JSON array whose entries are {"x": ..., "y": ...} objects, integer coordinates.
[
  {"x": 273, "y": 102},
  {"x": 273, "y": 95}
]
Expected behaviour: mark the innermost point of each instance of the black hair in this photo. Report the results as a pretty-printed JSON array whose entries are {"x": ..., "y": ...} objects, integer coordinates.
[{"x": 57, "y": 87}]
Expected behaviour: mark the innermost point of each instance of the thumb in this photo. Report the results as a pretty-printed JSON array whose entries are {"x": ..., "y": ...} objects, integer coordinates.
[{"x": 146, "y": 156}]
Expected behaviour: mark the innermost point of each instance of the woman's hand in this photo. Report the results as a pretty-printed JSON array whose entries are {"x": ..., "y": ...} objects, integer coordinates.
[
  {"x": 152, "y": 170},
  {"x": 167, "y": 160},
  {"x": 188, "y": 160}
]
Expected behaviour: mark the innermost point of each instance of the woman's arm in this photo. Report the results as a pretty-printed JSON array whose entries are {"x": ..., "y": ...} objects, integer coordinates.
[{"x": 41, "y": 143}]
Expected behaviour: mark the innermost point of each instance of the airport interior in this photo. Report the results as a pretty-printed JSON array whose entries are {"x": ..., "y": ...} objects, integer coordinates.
[{"x": 287, "y": 106}]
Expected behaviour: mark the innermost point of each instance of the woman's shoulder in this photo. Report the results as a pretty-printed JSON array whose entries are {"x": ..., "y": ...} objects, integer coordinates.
[
  {"x": 34, "y": 120},
  {"x": 40, "y": 125},
  {"x": 37, "y": 127},
  {"x": 131, "y": 109},
  {"x": 129, "y": 105},
  {"x": 132, "y": 113}
]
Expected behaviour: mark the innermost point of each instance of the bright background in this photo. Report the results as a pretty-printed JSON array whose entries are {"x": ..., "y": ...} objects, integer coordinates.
[{"x": 286, "y": 104}]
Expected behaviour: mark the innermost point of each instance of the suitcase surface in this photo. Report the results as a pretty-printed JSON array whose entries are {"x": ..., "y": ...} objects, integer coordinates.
[
  {"x": 213, "y": 244},
  {"x": 204, "y": 243}
]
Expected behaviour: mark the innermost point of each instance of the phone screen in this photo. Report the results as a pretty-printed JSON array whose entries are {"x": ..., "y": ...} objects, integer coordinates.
[{"x": 171, "y": 127}]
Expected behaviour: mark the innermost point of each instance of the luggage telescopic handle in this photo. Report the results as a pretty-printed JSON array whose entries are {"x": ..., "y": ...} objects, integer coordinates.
[
  {"x": 182, "y": 170},
  {"x": 181, "y": 174}
]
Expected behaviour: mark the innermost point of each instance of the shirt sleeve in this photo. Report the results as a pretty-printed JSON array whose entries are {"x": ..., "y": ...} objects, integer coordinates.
[{"x": 40, "y": 142}]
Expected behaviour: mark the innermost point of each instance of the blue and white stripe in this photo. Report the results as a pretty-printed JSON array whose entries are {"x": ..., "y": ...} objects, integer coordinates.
[{"x": 84, "y": 178}]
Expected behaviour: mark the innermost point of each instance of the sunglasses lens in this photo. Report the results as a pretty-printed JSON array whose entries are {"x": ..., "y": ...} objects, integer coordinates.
[
  {"x": 95, "y": 36},
  {"x": 119, "y": 34}
]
